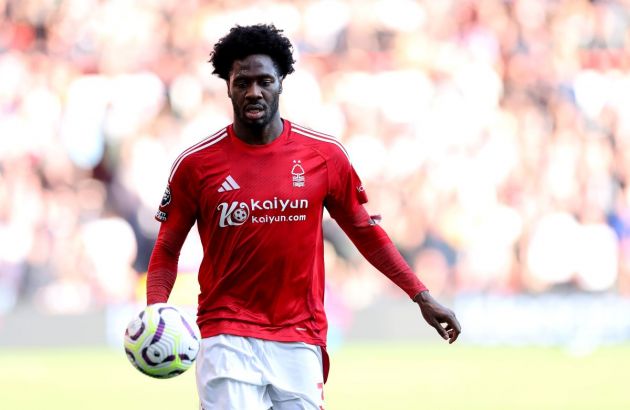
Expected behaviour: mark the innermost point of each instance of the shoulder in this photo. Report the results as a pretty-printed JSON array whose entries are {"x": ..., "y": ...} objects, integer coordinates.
[
  {"x": 327, "y": 145},
  {"x": 197, "y": 151}
]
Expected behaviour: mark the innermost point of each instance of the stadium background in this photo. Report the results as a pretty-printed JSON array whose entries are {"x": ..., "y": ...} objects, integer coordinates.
[{"x": 492, "y": 136}]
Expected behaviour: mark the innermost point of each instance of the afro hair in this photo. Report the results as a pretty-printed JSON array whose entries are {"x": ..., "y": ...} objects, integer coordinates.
[{"x": 243, "y": 41}]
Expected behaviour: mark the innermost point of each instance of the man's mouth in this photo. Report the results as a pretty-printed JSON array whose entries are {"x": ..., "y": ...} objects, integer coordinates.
[{"x": 254, "y": 112}]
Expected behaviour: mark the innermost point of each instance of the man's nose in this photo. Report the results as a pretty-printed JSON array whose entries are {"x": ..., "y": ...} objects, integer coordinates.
[{"x": 254, "y": 91}]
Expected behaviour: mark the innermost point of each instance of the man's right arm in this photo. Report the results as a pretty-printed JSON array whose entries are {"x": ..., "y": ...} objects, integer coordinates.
[
  {"x": 163, "y": 264},
  {"x": 177, "y": 214}
]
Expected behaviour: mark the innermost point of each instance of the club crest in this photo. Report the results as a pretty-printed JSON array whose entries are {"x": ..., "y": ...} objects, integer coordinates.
[{"x": 297, "y": 174}]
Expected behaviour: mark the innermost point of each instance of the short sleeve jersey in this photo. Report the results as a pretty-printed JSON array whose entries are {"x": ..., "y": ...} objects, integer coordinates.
[{"x": 258, "y": 209}]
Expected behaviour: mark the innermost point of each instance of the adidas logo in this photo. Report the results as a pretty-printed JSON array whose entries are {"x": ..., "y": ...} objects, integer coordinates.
[{"x": 228, "y": 185}]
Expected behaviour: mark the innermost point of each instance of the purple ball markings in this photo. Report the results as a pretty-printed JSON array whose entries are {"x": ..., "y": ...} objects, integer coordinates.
[{"x": 159, "y": 355}]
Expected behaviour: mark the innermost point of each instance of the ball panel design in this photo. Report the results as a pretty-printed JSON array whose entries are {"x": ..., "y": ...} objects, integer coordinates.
[
  {"x": 136, "y": 327},
  {"x": 162, "y": 342}
]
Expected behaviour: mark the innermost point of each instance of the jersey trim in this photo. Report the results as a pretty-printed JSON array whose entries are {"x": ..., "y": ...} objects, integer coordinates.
[
  {"x": 211, "y": 140},
  {"x": 298, "y": 129},
  {"x": 196, "y": 145}
]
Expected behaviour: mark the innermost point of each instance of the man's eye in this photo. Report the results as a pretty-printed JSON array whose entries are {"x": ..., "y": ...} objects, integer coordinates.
[{"x": 267, "y": 82}]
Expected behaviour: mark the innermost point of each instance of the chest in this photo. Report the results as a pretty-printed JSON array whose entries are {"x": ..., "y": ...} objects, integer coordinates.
[{"x": 246, "y": 186}]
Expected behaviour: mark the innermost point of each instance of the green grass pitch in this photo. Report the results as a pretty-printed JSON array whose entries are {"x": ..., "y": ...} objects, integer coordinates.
[{"x": 363, "y": 376}]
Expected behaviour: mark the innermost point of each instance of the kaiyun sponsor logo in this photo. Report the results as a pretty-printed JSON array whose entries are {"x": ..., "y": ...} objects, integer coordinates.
[
  {"x": 236, "y": 213},
  {"x": 281, "y": 204}
]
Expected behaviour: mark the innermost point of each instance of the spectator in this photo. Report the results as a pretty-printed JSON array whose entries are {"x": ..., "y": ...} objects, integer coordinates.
[{"x": 492, "y": 126}]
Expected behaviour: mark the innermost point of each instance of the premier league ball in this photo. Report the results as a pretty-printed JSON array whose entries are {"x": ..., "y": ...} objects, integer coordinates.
[{"x": 162, "y": 341}]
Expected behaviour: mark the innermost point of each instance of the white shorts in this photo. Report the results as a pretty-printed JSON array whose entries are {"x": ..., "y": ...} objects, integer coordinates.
[{"x": 245, "y": 373}]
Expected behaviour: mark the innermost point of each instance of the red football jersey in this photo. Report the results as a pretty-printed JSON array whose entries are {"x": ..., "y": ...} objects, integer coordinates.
[{"x": 259, "y": 211}]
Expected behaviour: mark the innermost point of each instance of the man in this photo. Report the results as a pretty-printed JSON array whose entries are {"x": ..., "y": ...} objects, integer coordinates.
[{"x": 257, "y": 190}]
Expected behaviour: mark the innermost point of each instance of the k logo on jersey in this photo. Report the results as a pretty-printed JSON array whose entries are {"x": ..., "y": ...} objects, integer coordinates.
[{"x": 233, "y": 214}]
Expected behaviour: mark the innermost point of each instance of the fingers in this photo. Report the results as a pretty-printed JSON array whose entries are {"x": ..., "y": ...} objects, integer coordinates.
[
  {"x": 442, "y": 319},
  {"x": 452, "y": 336},
  {"x": 441, "y": 331},
  {"x": 453, "y": 328}
]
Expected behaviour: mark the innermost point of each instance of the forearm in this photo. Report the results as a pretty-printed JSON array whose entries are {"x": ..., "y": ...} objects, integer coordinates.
[
  {"x": 163, "y": 266},
  {"x": 376, "y": 246}
]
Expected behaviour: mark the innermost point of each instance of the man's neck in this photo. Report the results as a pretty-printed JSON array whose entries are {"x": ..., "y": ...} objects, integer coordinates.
[{"x": 259, "y": 136}]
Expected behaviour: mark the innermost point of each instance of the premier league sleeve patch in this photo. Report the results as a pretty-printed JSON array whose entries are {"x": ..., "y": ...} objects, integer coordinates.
[{"x": 166, "y": 198}]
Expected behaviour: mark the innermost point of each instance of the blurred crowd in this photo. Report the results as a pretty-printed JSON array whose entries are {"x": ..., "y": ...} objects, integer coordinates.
[{"x": 493, "y": 136}]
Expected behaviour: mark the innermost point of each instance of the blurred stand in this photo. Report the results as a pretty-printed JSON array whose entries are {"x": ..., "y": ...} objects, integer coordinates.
[
  {"x": 493, "y": 137},
  {"x": 578, "y": 323}
]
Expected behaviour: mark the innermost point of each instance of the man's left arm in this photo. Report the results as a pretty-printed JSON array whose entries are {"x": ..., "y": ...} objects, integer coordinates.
[
  {"x": 344, "y": 201},
  {"x": 376, "y": 246}
]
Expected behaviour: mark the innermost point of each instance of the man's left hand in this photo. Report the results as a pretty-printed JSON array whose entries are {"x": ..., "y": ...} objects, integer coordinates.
[{"x": 440, "y": 317}]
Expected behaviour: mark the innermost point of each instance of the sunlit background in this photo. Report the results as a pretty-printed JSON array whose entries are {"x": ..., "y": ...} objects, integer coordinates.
[{"x": 493, "y": 137}]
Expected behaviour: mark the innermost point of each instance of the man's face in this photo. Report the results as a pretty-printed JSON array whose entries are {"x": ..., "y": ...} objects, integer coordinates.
[{"x": 254, "y": 88}]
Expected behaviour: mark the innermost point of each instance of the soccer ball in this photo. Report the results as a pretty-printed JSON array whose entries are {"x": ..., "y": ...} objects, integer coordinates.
[{"x": 162, "y": 342}]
